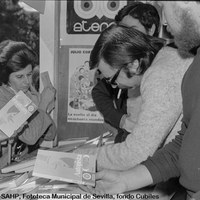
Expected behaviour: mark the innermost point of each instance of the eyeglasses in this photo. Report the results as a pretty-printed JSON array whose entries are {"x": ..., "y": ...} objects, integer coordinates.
[{"x": 111, "y": 80}]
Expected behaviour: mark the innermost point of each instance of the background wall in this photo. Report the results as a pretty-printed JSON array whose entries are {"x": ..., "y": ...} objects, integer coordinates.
[{"x": 47, "y": 39}]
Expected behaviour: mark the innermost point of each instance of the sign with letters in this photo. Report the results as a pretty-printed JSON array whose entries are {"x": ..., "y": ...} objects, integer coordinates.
[
  {"x": 81, "y": 107},
  {"x": 91, "y": 17}
]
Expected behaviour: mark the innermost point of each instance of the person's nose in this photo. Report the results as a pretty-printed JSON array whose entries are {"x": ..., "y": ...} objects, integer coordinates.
[{"x": 26, "y": 80}]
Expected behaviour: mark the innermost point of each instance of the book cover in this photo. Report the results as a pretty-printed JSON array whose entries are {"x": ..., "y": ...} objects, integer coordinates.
[
  {"x": 19, "y": 165},
  {"x": 47, "y": 83},
  {"x": 13, "y": 181},
  {"x": 47, "y": 144},
  {"x": 55, "y": 186},
  {"x": 69, "y": 147},
  {"x": 15, "y": 113},
  {"x": 25, "y": 169},
  {"x": 72, "y": 141},
  {"x": 46, "y": 79},
  {"x": 63, "y": 166},
  {"x": 28, "y": 187}
]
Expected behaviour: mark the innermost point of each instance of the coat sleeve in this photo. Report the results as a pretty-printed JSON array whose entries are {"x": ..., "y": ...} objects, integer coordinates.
[
  {"x": 37, "y": 125},
  {"x": 163, "y": 165},
  {"x": 180, "y": 157}
]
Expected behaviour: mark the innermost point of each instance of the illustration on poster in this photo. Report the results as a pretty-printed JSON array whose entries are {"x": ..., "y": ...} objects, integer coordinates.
[
  {"x": 91, "y": 17},
  {"x": 80, "y": 89}
]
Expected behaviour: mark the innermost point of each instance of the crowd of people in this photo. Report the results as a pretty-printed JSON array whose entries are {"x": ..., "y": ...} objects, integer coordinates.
[
  {"x": 172, "y": 76},
  {"x": 148, "y": 91}
]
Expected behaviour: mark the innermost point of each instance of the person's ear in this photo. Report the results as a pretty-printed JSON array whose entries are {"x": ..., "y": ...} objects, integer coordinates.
[
  {"x": 133, "y": 67},
  {"x": 152, "y": 30}
]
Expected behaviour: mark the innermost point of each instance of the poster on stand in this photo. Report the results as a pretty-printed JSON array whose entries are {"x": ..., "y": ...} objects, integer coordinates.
[
  {"x": 91, "y": 17},
  {"x": 81, "y": 107},
  {"x": 82, "y": 21}
]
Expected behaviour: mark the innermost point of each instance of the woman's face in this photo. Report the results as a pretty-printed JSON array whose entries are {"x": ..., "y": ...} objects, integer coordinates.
[{"x": 21, "y": 80}]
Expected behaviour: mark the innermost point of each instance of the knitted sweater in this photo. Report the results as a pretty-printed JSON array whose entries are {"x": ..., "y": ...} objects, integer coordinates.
[
  {"x": 161, "y": 107},
  {"x": 38, "y": 124},
  {"x": 181, "y": 157}
]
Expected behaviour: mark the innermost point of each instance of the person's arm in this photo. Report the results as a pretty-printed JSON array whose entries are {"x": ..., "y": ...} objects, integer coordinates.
[
  {"x": 158, "y": 168},
  {"x": 161, "y": 106},
  {"x": 164, "y": 165},
  {"x": 37, "y": 125},
  {"x": 40, "y": 122},
  {"x": 116, "y": 182},
  {"x": 103, "y": 100},
  {"x": 129, "y": 121}
]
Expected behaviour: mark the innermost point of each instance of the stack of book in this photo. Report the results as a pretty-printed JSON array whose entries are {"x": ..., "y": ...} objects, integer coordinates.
[
  {"x": 53, "y": 169},
  {"x": 12, "y": 180},
  {"x": 20, "y": 167}
]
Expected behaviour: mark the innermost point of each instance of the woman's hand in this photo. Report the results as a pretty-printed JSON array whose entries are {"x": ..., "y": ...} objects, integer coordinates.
[
  {"x": 47, "y": 97},
  {"x": 51, "y": 105},
  {"x": 35, "y": 95}
]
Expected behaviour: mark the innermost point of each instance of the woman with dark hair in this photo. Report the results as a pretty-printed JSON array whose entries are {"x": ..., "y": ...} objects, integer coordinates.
[
  {"x": 127, "y": 58},
  {"x": 17, "y": 62}
]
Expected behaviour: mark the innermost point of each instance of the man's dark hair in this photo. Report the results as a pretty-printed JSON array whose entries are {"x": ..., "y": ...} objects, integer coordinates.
[
  {"x": 144, "y": 12},
  {"x": 118, "y": 46}
]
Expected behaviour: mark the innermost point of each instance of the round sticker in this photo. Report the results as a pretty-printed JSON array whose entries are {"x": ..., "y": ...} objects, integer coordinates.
[
  {"x": 30, "y": 108},
  {"x": 87, "y": 176}
]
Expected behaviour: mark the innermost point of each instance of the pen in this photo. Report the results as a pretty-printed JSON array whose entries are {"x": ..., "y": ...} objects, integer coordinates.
[
  {"x": 119, "y": 93},
  {"x": 100, "y": 142}
]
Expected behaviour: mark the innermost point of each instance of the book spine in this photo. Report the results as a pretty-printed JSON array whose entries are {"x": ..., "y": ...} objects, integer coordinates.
[{"x": 18, "y": 166}]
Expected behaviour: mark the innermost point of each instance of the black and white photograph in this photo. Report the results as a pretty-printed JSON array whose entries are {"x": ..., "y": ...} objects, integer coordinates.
[{"x": 99, "y": 99}]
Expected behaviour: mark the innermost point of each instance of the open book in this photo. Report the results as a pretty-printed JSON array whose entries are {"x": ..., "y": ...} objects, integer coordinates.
[
  {"x": 69, "y": 167},
  {"x": 15, "y": 113}
]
